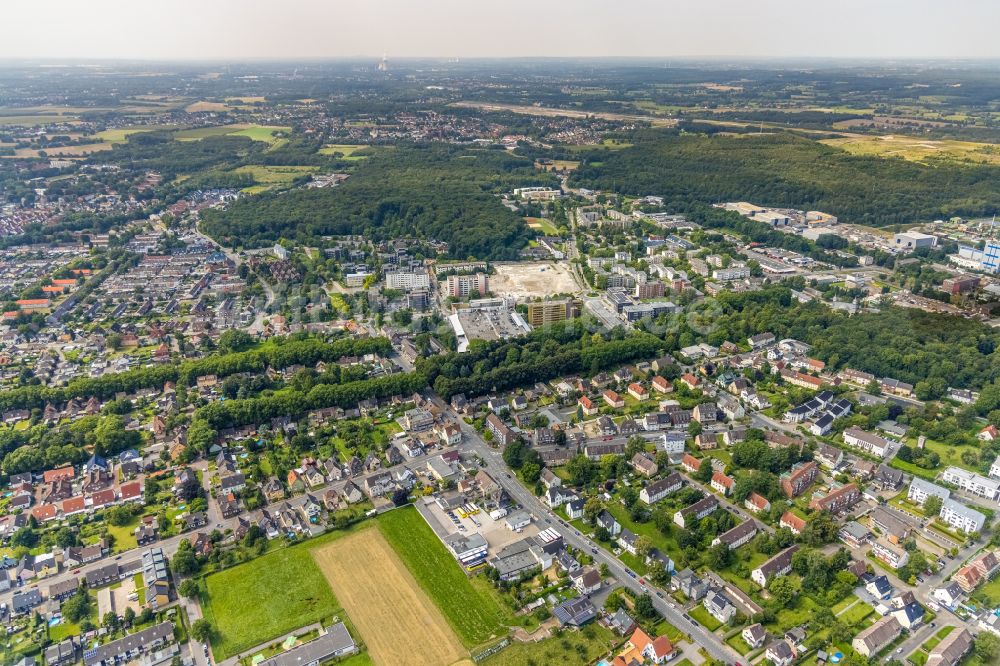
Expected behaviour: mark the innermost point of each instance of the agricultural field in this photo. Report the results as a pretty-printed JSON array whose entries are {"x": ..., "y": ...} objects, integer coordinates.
[
  {"x": 472, "y": 607},
  {"x": 916, "y": 149},
  {"x": 269, "y": 596},
  {"x": 395, "y": 618}
]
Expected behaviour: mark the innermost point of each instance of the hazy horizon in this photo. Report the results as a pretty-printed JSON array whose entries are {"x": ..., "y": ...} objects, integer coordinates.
[{"x": 433, "y": 29}]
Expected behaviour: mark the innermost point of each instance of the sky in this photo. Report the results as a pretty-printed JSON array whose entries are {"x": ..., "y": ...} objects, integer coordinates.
[{"x": 273, "y": 29}]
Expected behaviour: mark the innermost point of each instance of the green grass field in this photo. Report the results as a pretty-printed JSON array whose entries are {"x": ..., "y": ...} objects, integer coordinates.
[
  {"x": 472, "y": 607},
  {"x": 262, "y": 599}
]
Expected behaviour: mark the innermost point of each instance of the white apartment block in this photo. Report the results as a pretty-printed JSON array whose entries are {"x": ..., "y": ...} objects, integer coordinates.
[
  {"x": 407, "y": 280},
  {"x": 995, "y": 468},
  {"x": 920, "y": 490},
  {"x": 962, "y": 517},
  {"x": 972, "y": 482}
]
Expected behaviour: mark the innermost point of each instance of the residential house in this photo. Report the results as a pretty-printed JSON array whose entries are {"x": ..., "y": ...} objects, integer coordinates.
[
  {"x": 951, "y": 649},
  {"x": 657, "y": 490},
  {"x": 696, "y": 511},
  {"x": 779, "y": 565},
  {"x": 689, "y": 584},
  {"x": 754, "y": 635},
  {"x": 737, "y": 536},
  {"x": 837, "y": 500},
  {"x": 869, "y": 642},
  {"x": 757, "y": 503},
  {"x": 644, "y": 465},
  {"x": 722, "y": 483},
  {"x": 719, "y": 606},
  {"x": 797, "y": 480},
  {"x": 894, "y": 556}
]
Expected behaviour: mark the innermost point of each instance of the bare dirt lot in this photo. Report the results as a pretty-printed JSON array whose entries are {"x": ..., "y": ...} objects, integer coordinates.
[
  {"x": 396, "y": 620},
  {"x": 532, "y": 280}
]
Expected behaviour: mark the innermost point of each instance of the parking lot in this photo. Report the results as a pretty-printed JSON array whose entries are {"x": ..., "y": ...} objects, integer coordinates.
[{"x": 470, "y": 519}]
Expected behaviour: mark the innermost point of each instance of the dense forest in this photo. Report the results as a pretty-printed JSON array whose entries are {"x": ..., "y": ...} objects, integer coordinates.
[
  {"x": 545, "y": 354},
  {"x": 783, "y": 170},
  {"x": 435, "y": 191},
  {"x": 930, "y": 351}
]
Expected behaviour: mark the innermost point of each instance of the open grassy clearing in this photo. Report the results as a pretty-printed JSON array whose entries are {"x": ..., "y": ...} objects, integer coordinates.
[
  {"x": 265, "y": 133},
  {"x": 472, "y": 607},
  {"x": 396, "y": 619},
  {"x": 346, "y": 151},
  {"x": 269, "y": 596},
  {"x": 268, "y": 177},
  {"x": 916, "y": 149}
]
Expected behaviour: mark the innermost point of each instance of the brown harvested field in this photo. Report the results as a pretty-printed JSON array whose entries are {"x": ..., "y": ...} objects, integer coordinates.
[{"x": 397, "y": 621}]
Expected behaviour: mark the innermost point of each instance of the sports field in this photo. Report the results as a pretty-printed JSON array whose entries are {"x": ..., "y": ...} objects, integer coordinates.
[{"x": 396, "y": 619}]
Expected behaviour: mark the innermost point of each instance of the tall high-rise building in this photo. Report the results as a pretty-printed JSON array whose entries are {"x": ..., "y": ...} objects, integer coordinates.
[
  {"x": 549, "y": 312},
  {"x": 460, "y": 286}
]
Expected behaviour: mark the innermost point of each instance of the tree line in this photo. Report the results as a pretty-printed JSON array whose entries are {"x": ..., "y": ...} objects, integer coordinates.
[{"x": 277, "y": 355}]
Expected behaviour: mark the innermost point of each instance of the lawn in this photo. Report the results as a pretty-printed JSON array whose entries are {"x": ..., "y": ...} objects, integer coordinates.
[
  {"x": 472, "y": 607},
  {"x": 702, "y": 617},
  {"x": 857, "y": 614},
  {"x": 124, "y": 535},
  {"x": 573, "y": 648},
  {"x": 262, "y": 599},
  {"x": 737, "y": 643},
  {"x": 843, "y": 603},
  {"x": 990, "y": 591}
]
